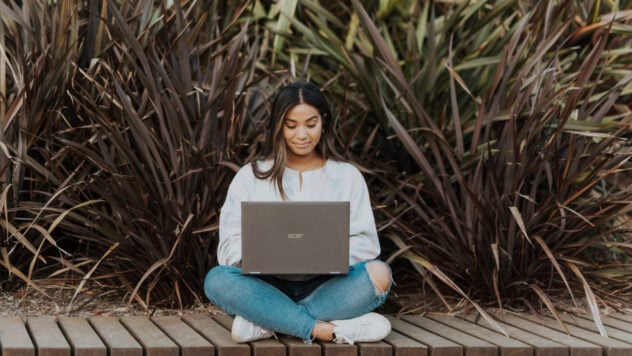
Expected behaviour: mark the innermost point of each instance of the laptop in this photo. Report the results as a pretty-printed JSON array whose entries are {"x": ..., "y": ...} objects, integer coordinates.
[{"x": 295, "y": 237}]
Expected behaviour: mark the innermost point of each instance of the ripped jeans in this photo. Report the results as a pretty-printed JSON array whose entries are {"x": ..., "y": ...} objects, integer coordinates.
[{"x": 293, "y": 307}]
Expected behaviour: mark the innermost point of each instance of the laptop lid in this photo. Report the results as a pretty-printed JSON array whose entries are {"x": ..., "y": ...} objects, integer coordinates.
[{"x": 295, "y": 237}]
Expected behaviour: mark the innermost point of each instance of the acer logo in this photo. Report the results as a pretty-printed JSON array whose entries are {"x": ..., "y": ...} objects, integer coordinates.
[{"x": 295, "y": 236}]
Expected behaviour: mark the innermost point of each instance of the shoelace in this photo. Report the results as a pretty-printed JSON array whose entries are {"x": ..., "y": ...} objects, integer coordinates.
[{"x": 341, "y": 338}]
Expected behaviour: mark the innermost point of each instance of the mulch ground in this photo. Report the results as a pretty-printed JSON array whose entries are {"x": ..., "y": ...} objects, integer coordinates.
[
  {"x": 63, "y": 299},
  {"x": 96, "y": 300}
]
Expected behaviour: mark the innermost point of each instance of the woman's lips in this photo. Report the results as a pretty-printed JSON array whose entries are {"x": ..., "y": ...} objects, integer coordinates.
[{"x": 301, "y": 145}]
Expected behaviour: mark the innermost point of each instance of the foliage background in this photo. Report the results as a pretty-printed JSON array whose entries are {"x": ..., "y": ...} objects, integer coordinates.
[{"x": 494, "y": 136}]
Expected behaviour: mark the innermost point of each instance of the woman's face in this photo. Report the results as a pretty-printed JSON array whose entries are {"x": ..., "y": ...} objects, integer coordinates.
[{"x": 302, "y": 129}]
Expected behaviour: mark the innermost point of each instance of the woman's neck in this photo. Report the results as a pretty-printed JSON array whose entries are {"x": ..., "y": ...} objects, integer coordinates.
[{"x": 305, "y": 163}]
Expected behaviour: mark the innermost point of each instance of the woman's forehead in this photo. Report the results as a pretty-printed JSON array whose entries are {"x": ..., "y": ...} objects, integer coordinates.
[{"x": 302, "y": 112}]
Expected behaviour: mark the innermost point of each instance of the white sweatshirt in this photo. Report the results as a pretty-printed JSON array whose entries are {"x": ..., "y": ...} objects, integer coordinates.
[{"x": 335, "y": 181}]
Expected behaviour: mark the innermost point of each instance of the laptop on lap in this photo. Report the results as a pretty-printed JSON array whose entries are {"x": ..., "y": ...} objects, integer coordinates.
[{"x": 295, "y": 237}]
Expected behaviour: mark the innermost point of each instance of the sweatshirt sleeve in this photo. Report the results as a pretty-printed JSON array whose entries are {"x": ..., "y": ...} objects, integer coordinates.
[
  {"x": 229, "y": 248},
  {"x": 364, "y": 243}
]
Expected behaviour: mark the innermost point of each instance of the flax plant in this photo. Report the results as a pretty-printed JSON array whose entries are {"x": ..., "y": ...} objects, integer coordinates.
[
  {"x": 120, "y": 141},
  {"x": 497, "y": 136}
]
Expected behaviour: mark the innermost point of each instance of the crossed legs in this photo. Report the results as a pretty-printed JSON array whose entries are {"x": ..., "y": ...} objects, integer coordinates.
[{"x": 362, "y": 290}]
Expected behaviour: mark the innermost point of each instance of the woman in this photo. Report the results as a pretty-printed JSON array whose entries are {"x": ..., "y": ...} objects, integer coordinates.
[{"x": 299, "y": 162}]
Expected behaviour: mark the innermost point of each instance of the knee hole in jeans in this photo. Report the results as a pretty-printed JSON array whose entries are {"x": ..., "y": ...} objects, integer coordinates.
[{"x": 380, "y": 275}]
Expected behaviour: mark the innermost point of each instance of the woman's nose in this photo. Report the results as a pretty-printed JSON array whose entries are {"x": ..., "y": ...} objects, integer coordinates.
[{"x": 301, "y": 132}]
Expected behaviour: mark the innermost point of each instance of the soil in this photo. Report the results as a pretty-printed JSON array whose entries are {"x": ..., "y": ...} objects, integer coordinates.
[
  {"x": 96, "y": 300},
  {"x": 61, "y": 300}
]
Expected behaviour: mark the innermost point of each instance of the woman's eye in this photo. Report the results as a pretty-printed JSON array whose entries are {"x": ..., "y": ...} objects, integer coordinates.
[
  {"x": 311, "y": 126},
  {"x": 290, "y": 126}
]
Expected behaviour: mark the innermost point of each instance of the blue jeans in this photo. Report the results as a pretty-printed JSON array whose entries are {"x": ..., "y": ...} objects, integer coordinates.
[{"x": 291, "y": 307}]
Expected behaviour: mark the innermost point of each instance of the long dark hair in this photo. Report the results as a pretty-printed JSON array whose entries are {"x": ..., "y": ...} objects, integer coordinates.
[{"x": 274, "y": 148}]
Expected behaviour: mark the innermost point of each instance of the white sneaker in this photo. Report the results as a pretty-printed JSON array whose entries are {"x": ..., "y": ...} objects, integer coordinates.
[
  {"x": 245, "y": 331},
  {"x": 368, "y": 327}
]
